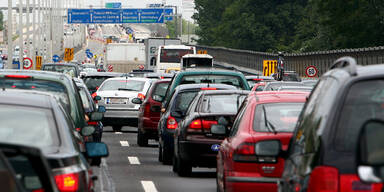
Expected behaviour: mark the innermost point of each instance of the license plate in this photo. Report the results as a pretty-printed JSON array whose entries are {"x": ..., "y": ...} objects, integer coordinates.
[{"x": 116, "y": 101}]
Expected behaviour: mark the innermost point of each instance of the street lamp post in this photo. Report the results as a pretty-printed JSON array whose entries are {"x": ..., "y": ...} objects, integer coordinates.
[
  {"x": 21, "y": 35},
  {"x": 10, "y": 34}
]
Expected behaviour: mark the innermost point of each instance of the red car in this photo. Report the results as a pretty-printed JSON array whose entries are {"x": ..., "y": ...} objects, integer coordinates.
[
  {"x": 259, "y": 86},
  {"x": 263, "y": 117},
  {"x": 149, "y": 112}
]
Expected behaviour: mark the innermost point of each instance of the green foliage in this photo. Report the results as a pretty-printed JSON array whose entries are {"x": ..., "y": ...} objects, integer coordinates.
[
  {"x": 290, "y": 25},
  {"x": 1, "y": 21}
]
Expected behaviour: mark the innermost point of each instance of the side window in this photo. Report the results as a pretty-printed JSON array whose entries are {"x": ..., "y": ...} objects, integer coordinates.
[
  {"x": 314, "y": 116},
  {"x": 239, "y": 117}
]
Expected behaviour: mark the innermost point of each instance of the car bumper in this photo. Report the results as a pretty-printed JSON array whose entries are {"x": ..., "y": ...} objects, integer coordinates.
[
  {"x": 245, "y": 184},
  {"x": 121, "y": 113},
  {"x": 200, "y": 154}
]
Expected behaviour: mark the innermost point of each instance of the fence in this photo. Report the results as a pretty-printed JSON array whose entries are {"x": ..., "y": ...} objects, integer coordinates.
[{"x": 322, "y": 60}]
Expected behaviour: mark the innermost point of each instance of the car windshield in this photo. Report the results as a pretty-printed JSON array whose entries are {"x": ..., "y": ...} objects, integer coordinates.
[
  {"x": 173, "y": 55},
  {"x": 183, "y": 100},
  {"x": 197, "y": 62},
  {"x": 26, "y": 125},
  {"x": 56, "y": 89},
  {"x": 123, "y": 85},
  {"x": 92, "y": 82},
  {"x": 217, "y": 79},
  {"x": 66, "y": 69},
  {"x": 281, "y": 117},
  {"x": 221, "y": 103},
  {"x": 84, "y": 98}
]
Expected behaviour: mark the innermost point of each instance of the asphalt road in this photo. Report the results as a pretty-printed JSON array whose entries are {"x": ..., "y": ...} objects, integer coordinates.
[{"x": 133, "y": 168}]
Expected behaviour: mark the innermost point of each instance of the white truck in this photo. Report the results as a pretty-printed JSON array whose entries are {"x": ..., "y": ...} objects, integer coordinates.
[
  {"x": 125, "y": 57},
  {"x": 169, "y": 56},
  {"x": 151, "y": 46}
]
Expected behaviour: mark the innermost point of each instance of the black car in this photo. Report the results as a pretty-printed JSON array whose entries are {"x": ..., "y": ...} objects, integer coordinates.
[
  {"x": 195, "y": 144},
  {"x": 94, "y": 80},
  {"x": 322, "y": 152},
  {"x": 36, "y": 119},
  {"x": 181, "y": 97},
  {"x": 24, "y": 168}
]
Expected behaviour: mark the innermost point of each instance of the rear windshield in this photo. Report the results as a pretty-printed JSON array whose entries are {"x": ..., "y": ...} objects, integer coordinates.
[
  {"x": 279, "y": 116},
  {"x": 221, "y": 103},
  {"x": 94, "y": 81},
  {"x": 183, "y": 100},
  {"x": 27, "y": 125},
  {"x": 123, "y": 85},
  {"x": 56, "y": 89},
  {"x": 173, "y": 55},
  {"x": 365, "y": 101},
  {"x": 161, "y": 89},
  {"x": 66, "y": 69},
  {"x": 217, "y": 79},
  {"x": 197, "y": 62}
]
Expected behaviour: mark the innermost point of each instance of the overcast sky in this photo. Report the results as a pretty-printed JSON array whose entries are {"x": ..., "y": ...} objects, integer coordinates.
[{"x": 187, "y": 11}]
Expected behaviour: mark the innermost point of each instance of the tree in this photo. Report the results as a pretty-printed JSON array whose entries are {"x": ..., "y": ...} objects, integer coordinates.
[{"x": 1, "y": 21}]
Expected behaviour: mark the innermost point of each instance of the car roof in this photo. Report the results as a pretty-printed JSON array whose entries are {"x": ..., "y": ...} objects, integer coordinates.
[
  {"x": 259, "y": 77},
  {"x": 26, "y": 98},
  {"x": 65, "y": 64},
  {"x": 279, "y": 96},
  {"x": 224, "y": 92},
  {"x": 203, "y": 56},
  {"x": 201, "y": 85},
  {"x": 106, "y": 74},
  {"x": 131, "y": 78},
  {"x": 205, "y": 71},
  {"x": 35, "y": 74}
]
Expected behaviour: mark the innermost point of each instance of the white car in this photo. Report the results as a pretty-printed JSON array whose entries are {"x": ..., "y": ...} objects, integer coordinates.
[{"x": 117, "y": 94}]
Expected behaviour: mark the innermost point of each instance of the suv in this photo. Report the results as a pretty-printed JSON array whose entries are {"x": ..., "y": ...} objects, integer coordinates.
[
  {"x": 322, "y": 152},
  {"x": 72, "y": 70}
]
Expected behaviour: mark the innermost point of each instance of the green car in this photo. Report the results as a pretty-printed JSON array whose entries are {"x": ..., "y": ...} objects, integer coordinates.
[
  {"x": 233, "y": 78},
  {"x": 59, "y": 85}
]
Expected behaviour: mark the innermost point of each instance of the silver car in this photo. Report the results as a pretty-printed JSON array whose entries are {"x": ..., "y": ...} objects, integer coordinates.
[{"x": 117, "y": 94}]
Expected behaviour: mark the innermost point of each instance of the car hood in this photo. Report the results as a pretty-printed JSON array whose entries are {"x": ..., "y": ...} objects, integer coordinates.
[{"x": 129, "y": 94}]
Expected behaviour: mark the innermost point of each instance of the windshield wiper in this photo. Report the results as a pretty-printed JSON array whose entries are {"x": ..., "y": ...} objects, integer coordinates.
[
  {"x": 125, "y": 89},
  {"x": 268, "y": 124}
]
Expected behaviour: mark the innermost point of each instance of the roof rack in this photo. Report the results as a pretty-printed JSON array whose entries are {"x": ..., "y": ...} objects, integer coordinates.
[{"x": 347, "y": 63}]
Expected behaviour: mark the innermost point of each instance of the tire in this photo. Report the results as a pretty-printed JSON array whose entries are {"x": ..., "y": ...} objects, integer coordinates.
[
  {"x": 142, "y": 140},
  {"x": 184, "y": 168},
  {"x": 166, "y": 156},
  {"x": 116, "y": 128},
  {"x": 160, "y": 153}
]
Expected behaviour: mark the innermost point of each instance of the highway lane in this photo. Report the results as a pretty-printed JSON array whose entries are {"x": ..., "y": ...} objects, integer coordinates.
[{"x": 133, "y": 168}]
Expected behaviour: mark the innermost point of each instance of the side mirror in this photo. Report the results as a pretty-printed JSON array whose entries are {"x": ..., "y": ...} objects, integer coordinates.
[
  {"x": 97, "y": 98},
  {"x": 101, "y": 109},
  {"x": 137, "y": 101},
  {"x": 370, "y": 156},
  {"x": 218, "y": 130},
  {"x": 97, "y": 116},
  {"x": 268, "y": 148},
  {"x": 177, "y": 114},
  {"x": 96, "y": 149},
  {"x": 158, "y": 98},
  {"x": 87, "y": 130}
]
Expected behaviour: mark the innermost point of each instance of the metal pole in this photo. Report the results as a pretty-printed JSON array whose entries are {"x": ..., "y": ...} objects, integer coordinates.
[
  {"x": 39, "y": 32},
  {"x": 28, "y": 24},
  {"x": 10, "y": 35},
  {"x": 176, "y": 29},
  {"x": 50, "y": 6},
  {"x": 21, "y": 34},
  {"x": 33, "y": 54}
]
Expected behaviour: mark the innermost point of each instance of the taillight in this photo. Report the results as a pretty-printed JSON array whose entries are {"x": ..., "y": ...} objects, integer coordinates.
[
  {"x": 324, "y": 179},
  {"x": 257, "y": 79},
  {"x": 94, "y": 95},
  {"x": 208, "y": 88},
  {"x": 78, "y": 129},
  {"x": 245, "y": 152},
  {"x": 97, "y": 87},
  {"x": 67, "y": 182},
  {"x": 141, "y": 96},
  {"x": 197, "y": 125},
  {"x": 171, "y": 123},
  {"x": 147, "y": 110},
  {"x": 38, "y": 190},
  {"x": 92, "y": 122},
  {"x": 18, "y": 76}
]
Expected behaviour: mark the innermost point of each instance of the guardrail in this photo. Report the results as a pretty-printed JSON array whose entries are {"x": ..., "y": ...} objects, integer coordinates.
[{"x": 322, "y": 60}]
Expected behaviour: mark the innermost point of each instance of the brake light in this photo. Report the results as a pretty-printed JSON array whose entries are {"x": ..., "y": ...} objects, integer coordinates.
[
  {"x": 195, "y": 124},
  {"x": 245, "y": 152},
  {"x": 171, "y": 123},
  {"x": 147, "y": 110},
  {"x": 18, "y": 76},
  {"x": 78, "y": 129},
  {"x": 207, "y": 124},
  {"x": 92, "y": 122},
  {"x": 67, "y": 182},
  {"x": 13, "y": 86},
  {"x": 38, "y": 190},
  {"x": 141, "y": 96},
  {"x": 257, "y": 79},
  {"x": 324, "y": 179},
  {"x": 97, "y": 87},
  {"x": 94, "y": 95},
  {"x": 208, "y": 88}
]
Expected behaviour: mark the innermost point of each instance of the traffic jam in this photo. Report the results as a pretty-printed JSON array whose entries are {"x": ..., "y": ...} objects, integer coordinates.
[{"x": 276, "y": 132}]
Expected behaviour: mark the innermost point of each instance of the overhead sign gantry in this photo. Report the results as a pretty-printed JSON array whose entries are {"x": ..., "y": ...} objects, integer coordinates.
[{"x": 117, "y": 16}]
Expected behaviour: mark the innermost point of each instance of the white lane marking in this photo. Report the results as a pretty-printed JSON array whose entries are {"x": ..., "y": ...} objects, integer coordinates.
[
  {"x": 148, "y": 186},
  {"x": 134, "y": 160},
  {"x": 124, "y": 143},
  {"x": 118, "y": 133}
]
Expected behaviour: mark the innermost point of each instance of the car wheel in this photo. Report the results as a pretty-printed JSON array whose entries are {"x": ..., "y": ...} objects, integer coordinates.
[
  {"x": 160, "y": 153},
  {"x": 117, "y": 128},
  {"x": 174, "y": 164},
  {"x": 167, "y": 156},
  {"x": 184, "y": 168},
  {"x": 142, "y": 140}
]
